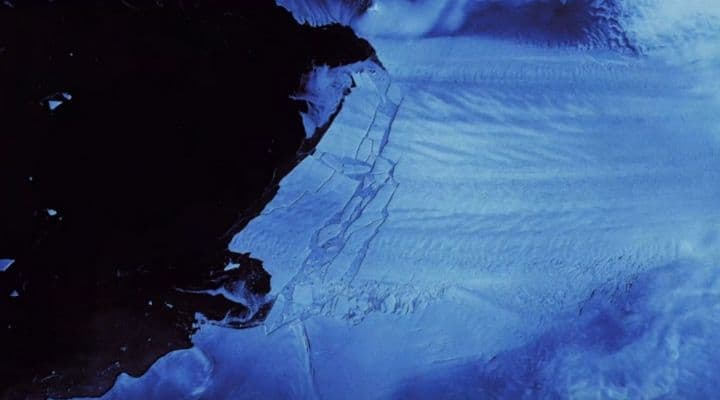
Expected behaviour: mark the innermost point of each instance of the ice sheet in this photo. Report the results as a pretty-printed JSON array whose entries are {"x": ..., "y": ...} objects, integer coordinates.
[{"x": 488, "y": 219}]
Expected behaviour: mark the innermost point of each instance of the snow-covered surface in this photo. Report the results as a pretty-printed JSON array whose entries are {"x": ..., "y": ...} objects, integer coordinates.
[
  {"x": 643, "y": 25},
  {"x": 323, "y": 90},
  {"x": 324, "y": 12},
  {"x": 488, "y": 219}
]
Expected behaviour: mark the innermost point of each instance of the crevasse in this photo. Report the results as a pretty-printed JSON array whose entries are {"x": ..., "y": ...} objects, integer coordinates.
[{"x": 489, "y": 216}]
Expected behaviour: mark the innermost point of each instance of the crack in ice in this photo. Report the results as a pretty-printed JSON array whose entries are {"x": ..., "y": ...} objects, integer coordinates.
[{"x": 374, "y": 173}]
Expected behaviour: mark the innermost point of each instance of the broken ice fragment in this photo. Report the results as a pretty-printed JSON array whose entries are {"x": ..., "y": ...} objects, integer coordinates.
[
  {"x": 55, "y": 100},
  {"x": 5, "y": 263},
  {"x": 231, "y": 266},
  {"x": 51, "y": 212}
]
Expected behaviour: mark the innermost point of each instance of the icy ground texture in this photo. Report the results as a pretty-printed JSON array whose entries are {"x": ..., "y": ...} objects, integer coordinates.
[
  {"x": 494, "y": 222},
  {"x": 636, "y": 25},
  {"x": 323, "y": 90},
  {"x": 487, "y": 219}
]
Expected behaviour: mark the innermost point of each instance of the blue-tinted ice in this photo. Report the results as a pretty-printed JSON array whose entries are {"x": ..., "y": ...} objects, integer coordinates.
[{"x": 489, "y": 218}]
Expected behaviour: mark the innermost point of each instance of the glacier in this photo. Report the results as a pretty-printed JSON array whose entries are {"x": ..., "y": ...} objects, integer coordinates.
[{"x": 489, "y": 215}]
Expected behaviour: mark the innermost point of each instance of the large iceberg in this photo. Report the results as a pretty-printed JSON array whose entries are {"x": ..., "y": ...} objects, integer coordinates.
[{"x": 489, "y": 215}]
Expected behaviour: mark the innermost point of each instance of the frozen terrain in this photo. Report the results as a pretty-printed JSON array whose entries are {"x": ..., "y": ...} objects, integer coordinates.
[{"x": 489, "y": 218}]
